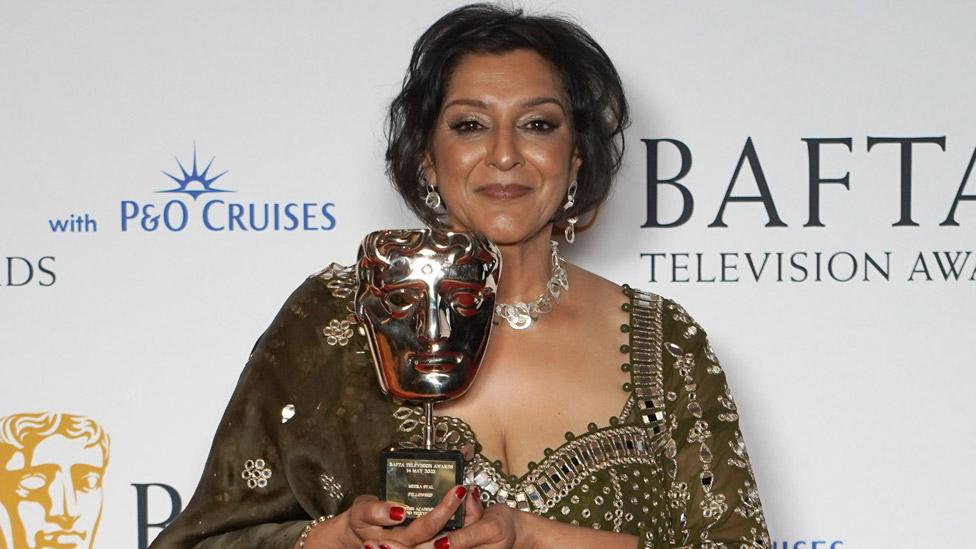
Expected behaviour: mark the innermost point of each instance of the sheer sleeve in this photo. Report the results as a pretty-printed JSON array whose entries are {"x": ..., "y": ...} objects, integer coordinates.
[
  {"x": 283, "y": 452},
  {"x": 711, "y": 488}
]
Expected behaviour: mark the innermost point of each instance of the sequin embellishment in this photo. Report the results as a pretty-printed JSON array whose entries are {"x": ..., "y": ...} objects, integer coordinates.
[
  {"x": 338, "y": 332},
  {"x": 339, "y": 279},
  {"x": 331, "y": 486},
  {"x": 287, "y": 412},
  {"x": 256, "y": 473}
]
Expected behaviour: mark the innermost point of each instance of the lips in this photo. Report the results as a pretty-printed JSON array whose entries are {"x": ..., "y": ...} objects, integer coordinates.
[
  {"x": 497, "y": 191},
  {"x": 442, "y": 362}
]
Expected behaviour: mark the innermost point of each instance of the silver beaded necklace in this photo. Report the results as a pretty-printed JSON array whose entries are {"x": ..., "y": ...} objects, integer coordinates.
[{"x": 521, "y": 314}]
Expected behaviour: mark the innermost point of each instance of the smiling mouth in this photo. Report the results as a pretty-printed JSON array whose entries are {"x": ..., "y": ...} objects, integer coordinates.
[
  {"x": 496, "y": 191},
  {"x": 442, "y": 362}
]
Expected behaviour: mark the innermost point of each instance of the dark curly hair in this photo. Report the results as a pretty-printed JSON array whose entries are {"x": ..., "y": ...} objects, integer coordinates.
[{"x": 596, "y": 96}]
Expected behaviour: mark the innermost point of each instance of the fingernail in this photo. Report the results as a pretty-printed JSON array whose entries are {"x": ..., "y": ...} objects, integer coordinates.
[
  {"x": 459, "y": 493},
  {"x": 384, "y": 546},
  {"x": 442, "y": 543},
  {"x": 396, "y": 513},
  {"x": 476, "y": 492},
  {"x": 367, "y": 546}
]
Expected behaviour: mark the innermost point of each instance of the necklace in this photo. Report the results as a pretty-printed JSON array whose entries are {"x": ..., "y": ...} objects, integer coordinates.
[{"x": 520, "y": 314}]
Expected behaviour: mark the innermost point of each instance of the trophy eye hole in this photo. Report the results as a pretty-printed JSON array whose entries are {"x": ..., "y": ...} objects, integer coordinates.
[
  {"x": 32, "y": 483},
  {"x": 400, "y": 300},
  {"x": 87, "y": 478},
  {"x": 466, "y": 303}
]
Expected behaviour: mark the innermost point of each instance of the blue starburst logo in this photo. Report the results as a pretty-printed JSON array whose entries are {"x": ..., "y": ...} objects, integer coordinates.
[{"x": 195, "y": 183}]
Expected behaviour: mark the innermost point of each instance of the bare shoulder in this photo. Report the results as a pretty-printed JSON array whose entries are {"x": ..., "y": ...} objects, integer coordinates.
[
  {"x": 591, "y": 286},
  {"x": 592, "y": 297}
]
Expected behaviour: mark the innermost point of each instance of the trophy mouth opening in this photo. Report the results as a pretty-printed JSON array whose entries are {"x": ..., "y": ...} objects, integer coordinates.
[{"x": 439, "y": 362}]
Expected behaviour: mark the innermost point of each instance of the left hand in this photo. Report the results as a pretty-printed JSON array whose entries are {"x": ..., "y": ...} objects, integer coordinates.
[{"x": 498, "y": 527}]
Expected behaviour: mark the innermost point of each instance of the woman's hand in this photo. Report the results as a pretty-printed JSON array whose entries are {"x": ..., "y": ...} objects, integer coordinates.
[
  {"x": 498, "y": 527},
  {"x": 366, "y": 517}
]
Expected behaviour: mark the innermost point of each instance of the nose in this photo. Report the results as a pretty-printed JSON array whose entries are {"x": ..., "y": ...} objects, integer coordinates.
[
  {"x": 64, "y": 504},
  {"x": 503, "y": 151},
  {"x": 433, "y": 322}
]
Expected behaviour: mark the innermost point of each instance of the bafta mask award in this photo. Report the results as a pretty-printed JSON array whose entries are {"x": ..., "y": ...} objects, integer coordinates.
[{"x": 426, "y": 298}]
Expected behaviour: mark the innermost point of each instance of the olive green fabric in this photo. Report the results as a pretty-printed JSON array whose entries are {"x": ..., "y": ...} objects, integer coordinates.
[{"x": 301, "y": 435}]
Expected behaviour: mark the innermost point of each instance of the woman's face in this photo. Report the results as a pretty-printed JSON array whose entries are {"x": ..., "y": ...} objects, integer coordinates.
[{"x": 502, "y": 153}]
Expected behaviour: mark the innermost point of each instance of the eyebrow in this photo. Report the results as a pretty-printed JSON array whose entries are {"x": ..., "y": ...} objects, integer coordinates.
[{"x": 525, "y": 104}]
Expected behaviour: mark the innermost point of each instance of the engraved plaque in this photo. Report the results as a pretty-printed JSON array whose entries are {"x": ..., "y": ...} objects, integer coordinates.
[{"x": 417, "y": 480}]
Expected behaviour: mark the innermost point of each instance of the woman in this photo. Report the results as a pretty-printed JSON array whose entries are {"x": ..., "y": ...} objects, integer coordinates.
[{"x": 608, "y": 412}]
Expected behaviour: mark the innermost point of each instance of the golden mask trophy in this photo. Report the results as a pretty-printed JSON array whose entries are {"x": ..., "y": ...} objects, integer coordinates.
[{"x": 426, "y": 298}]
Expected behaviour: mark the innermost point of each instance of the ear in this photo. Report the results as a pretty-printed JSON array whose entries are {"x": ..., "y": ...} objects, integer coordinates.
[
  {"x": 427, "y": 165},
  {"x": 574, "y": 164}
]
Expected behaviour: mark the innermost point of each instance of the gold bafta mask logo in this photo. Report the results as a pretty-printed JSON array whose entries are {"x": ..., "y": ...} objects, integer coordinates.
[{"x": 51, "y": 469}]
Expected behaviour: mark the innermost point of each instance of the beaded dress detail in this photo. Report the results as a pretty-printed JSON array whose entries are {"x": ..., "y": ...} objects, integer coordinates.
[
  {"x": 307, "y": 420},
  {"x": 656, "y": 470}
]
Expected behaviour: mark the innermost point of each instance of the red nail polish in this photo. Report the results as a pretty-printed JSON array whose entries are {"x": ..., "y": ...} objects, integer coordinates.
[
  {"x": 396, "y": 513},
  {"x": 459, "y": 493},
  {"x": 384, "y": 546},
  {"x": 476, "y": 492},
  {"x": 442, "y": 543},
  {"x": 367, "y": 546}
]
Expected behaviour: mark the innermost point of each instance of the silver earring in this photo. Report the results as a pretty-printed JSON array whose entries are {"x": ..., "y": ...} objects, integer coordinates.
[
  {"x": 570, "y": 195},
  {"x": 433, "y": 198},
  {"x": 570, "y": 232}
]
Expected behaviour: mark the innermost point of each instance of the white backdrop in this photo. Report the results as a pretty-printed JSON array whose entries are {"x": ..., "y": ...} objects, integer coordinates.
[{"x": 854, "y": 395}]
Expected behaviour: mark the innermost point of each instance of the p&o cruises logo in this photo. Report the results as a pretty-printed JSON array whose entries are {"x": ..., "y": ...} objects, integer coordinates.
[{"x": 217, "y": 214}]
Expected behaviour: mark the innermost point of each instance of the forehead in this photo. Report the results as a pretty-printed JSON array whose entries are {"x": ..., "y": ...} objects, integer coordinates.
[
  {"x": 58, "y": 449},
  {"x": 513, "y": 75}
]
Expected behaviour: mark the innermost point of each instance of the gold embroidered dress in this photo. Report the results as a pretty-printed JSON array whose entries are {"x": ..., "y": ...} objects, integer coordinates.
[{"x": 302, "y": 431}]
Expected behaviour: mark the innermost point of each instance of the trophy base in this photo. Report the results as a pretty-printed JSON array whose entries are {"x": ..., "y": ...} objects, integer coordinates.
[{"x": 417, "y": 479}]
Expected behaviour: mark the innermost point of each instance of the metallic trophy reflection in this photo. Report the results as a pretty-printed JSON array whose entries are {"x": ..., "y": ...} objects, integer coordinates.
[{"x": 426, "y": 299}]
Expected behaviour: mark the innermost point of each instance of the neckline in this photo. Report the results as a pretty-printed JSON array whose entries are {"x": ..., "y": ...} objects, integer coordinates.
[{"x": 614, "y": 421}]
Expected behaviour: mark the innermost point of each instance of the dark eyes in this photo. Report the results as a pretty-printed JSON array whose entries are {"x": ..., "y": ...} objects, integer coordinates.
[
  {"x": 537, "y": 125},
  {"x": 541, "y": 126},
  {"x": 467, "y": 126}
]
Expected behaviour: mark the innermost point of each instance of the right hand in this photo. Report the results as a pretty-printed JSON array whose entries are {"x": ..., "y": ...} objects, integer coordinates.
[{"x": 366, "y": 517}]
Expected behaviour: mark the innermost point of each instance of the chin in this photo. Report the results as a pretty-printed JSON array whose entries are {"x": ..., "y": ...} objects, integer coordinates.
[{"x": 509, "y": 233}]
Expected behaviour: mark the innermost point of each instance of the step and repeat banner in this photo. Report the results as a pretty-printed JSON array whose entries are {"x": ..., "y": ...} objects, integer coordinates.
[{"x": 797, "y": 175}]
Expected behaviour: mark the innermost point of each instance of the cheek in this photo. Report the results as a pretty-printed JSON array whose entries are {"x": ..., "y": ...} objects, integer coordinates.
[
  {"x": 454, "y": 160},
  {"x": 390, "y": 331},
  {"x": 89, "y": 509},
  {"x": 552, "y": 158},
  {"x": 31, "y": 516},
  {"x": 89, "y": 506}
]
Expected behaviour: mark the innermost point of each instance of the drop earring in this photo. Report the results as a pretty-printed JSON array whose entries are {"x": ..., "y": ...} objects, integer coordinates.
[
  {"x": 433, "y": 198},
  {"x": 570, "y": 232}
]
